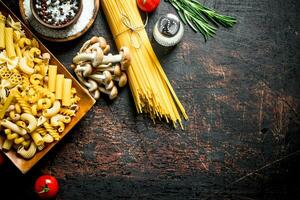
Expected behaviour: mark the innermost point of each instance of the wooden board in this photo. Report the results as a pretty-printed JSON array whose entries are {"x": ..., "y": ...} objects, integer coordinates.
[
  {"x": 96, "y": 9},
  {"x": 241, "y": 91},
  {"x": 85, "y": 104}
]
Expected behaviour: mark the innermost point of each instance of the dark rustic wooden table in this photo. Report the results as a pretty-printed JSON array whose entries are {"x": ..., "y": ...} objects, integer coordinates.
[{"x": 242, "y": 141}]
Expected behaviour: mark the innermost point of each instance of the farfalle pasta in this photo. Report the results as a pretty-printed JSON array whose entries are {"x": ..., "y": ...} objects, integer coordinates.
[{"x": 36, "y": 102}]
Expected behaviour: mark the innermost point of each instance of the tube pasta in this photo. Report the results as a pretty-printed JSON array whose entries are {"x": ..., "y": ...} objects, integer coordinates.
[
  {"x": 37, "y": 138},
  {"x": 9, "y": 43},
  {"x": 61, "y": 127},
  {"x": 66, "y": 97},
  {"x": 13, "y": 127},
  {"x": 32, "y": 122},
  {"x": 59, "y": 118},
  {"x": 29, "y": 153},
  {"x": 43, "y": 104},
  {"x": 52, "y": 77},
  {"x": 34, "y": 51},
  {"x": 12, "y": 136},
  {"x": 18, "y": 108},
  {"x": 7, "y": 131},
  {"x": 36, "y": 79},
  {"x": 14, "y": 116},
  {"x": 2, "y": 32},
  {"x": 26, "y": 143},
  {"x": 41, "y": 120},
  {"x": 53, "y": 110},
  {"x": 24, "y": 42},
  {"x": 38, "y": 61},
  {"x": 24, "y": 67},
  {"x": 18, "y": 50},
  {"x": 59, "y": 86},
  {"x": 7, "y": 144},
  {"x": 19, "y": 140}
]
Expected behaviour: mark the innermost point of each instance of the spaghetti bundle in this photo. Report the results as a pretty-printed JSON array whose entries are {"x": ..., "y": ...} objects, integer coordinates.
[{"x": 150, "y": 87}]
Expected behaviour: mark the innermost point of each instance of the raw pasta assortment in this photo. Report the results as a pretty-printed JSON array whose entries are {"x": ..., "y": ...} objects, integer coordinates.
[{"x": 36, "y": 102}]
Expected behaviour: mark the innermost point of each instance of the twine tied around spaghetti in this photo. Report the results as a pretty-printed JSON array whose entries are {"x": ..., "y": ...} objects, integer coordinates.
[{"x": 133, "y": 29}]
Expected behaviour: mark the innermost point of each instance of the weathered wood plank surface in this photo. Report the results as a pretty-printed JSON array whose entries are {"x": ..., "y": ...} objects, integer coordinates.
[{"x": 241, "y": 90}]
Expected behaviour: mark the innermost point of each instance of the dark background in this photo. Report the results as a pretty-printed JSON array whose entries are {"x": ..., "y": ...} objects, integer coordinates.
[{"x": 241, "y": 91}]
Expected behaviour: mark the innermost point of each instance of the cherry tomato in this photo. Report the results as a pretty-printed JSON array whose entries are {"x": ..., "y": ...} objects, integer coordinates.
[
  {"x": 148, "y": 5},
  {"x": 2, "y": 159},
  {"x": 46, "y": 187}
]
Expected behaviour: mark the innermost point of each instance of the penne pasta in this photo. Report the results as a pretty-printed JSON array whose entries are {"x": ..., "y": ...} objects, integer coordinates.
[
  {"x": 52, "y": 77},
  {"x": 9, "y": 43},
  {"x": 59, "y": 86},
  {"x": 66, "y": 97},
  {"x": 2, "y": 32}
]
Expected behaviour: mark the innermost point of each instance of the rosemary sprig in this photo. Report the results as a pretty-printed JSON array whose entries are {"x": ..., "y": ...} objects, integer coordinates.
[{"x": 198, "y": 17}]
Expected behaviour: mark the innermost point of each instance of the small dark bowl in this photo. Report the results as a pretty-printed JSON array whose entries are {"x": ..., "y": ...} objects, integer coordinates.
[{"x": 38, "y": 18}]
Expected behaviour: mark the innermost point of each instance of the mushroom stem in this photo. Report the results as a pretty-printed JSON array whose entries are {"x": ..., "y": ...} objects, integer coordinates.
[
  {"x": 102, "y": 78},
  {"x": 115, "y": 70},
  {"x": 112, "y": 58},
  {"x": 95, "y": 57},
  {"x": 86, "y": 69},
  {"x": 92, "y": 85},
  {"x": 112, "y": 93}
]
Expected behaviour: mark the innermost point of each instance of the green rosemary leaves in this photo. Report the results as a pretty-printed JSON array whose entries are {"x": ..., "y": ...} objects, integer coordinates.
[{"x": 198, "y": 17}]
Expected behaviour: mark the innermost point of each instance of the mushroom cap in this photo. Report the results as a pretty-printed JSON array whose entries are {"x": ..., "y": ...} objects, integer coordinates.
[
  {"x": 102, "y": 42},
  {"x": 108, "y": 76},
  {"x": 117, "y": 70},
  {"x": 106, "y": 49},
  {"x": 113, "y": 93},
  {"x": 102, "y": 67},
  {"x": 126, "y": 58},
  {"x": 87, "y": 70},
  {"x": 92, "y": 85},
  {"x": 94, "y": 40},
  {"x": 98, "y": 57},
  {"x": 96, "y": 94},
  {"x": 110, "y": 85},
  {"x": 83, "y": 57},
  {"x": 92, "y": 47},
  {"x": 123, "y": 80}
]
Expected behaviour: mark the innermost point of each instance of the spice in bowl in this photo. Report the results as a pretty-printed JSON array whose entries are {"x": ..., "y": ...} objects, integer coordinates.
[{"x": 56, "y": 13}]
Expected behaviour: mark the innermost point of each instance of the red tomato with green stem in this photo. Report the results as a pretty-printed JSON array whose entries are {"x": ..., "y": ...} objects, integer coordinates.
[
  {"x": 148, "y": 5},
  {"x": 46, "y": 187}
]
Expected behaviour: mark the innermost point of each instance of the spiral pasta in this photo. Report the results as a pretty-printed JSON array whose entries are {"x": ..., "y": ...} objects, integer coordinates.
[
  {"x": 66, "y": 111},
  {"x": 51, "y": 131},
  {"x": 23, "y": 104}
]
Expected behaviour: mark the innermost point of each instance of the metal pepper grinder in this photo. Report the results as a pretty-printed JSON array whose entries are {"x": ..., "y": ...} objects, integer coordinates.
[{"x": 168, "y": 30}]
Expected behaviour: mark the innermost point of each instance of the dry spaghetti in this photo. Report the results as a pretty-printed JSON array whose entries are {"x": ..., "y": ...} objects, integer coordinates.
[{"x": 150, "y": 87}]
